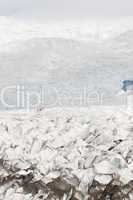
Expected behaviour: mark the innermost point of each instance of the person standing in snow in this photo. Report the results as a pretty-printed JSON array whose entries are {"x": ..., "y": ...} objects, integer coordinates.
[{"x": 127, "y": 88}]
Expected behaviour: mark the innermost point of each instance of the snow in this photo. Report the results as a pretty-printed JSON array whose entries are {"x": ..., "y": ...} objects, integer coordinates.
[
  {"x": 64, "y": 148},
  {"x": 80, "y": 145},
  {"x": 65, "y": 57},
  {"x": 15, "y": 30}
]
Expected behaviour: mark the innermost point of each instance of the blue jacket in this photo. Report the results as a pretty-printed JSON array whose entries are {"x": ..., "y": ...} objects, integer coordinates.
[{"x": 127, "y": 85}]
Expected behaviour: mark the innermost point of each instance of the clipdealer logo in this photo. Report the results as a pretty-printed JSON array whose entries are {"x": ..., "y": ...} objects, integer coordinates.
[{"x": 25, "y": 96}]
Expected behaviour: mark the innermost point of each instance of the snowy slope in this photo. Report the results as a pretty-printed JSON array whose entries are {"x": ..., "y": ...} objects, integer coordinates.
[
  {"x": 67, "y": 64},
  {"x": 67, "y": 56},
  {"x": 123, "y": 42}
]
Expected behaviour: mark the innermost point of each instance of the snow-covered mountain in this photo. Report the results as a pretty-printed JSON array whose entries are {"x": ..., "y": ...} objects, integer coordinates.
[
  {"x": 67, "y": 56},
  {"x": 12, "y": 30},
  {"x": 123, "y": 42}
]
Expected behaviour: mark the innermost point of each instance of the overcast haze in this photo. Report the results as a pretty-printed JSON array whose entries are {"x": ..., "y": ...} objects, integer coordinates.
[{"x": 67, "y": 8}]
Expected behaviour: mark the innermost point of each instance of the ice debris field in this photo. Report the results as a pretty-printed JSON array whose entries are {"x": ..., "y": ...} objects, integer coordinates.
[{"x": 57, "y": 153}]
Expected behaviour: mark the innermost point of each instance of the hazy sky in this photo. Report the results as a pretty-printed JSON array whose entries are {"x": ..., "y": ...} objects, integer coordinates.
[{"x": 67, "y": 8}]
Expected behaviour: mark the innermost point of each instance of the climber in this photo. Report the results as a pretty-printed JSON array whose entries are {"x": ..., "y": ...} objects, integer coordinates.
[{"x": 127, "y": 88}]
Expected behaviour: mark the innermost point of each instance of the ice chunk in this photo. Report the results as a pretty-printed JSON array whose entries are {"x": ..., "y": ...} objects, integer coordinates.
[
  {"x": 103, "y": 179},
  {"x": 125, "y": 175},
  {"x": 104, "y": 167}
]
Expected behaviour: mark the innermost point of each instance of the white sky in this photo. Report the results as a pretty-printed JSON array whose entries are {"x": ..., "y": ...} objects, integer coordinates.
[{"x": 67, "y": 8}]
